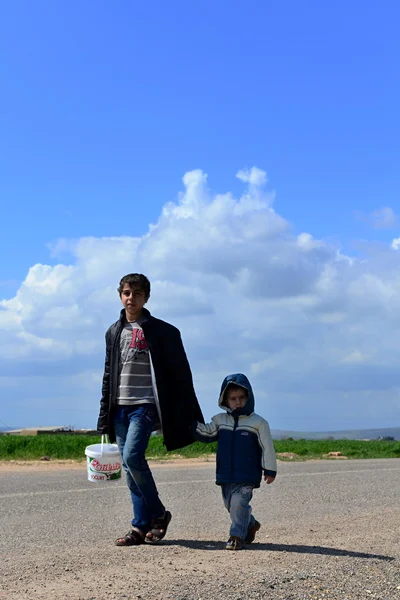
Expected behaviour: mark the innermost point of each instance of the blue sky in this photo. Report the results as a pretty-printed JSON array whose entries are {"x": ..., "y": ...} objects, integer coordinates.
[{"x": 106, "y": 106}]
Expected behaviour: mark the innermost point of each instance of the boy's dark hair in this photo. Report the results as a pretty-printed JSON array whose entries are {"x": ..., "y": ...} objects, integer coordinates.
[
  {"x": 135, "y": 279},
  {"x": 234, "y": 386}
]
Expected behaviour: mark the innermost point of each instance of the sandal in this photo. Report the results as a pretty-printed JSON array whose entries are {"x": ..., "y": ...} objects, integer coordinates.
[
  {"x": 251, "y": 532},
  {"x": 132, "y": 538},
  {"x": 159, "y": 527}
]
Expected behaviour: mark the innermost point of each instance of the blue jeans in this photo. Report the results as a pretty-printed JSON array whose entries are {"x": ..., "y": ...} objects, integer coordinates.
[
  {"x": 237, "y": 497},
  {"x": 133, "y": 427}
]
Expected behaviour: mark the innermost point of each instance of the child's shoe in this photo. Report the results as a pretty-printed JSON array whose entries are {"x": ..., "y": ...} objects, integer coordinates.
[
  {"x": 251, "y": 532},
  {"x": 235, "y": 543}
]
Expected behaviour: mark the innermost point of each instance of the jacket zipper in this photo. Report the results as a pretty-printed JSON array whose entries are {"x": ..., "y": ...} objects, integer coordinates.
[{"x": 236, "y": 421}]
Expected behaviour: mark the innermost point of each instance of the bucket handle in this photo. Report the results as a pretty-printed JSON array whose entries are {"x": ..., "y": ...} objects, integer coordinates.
[{"x": 104, "y": 440}]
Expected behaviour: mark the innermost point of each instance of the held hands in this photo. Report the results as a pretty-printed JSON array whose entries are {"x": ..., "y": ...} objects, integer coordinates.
[{"x": 269, "y": 478}]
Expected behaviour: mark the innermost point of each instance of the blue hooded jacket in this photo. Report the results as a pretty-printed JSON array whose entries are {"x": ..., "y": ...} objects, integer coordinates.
[{"x": 245, "y": 447}]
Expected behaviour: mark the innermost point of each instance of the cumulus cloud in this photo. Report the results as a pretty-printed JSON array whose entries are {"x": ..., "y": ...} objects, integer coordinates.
[
  {"x": 314, "y": 329},
  {"x": 396, "y": 243},
  {"x": 253, "y": 176}
]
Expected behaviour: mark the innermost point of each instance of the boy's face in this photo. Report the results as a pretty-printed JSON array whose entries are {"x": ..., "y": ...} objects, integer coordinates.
[
  {"x": 133, "y": 298},
  {"x": 236, "y": 398}
]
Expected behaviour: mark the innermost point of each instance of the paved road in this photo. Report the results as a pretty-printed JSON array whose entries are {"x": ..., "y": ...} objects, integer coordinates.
[{"x": 322, "y": 521}]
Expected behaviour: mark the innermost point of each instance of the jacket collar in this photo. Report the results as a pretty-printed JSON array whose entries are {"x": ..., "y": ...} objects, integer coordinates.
[{"x": 146, "y": 316}]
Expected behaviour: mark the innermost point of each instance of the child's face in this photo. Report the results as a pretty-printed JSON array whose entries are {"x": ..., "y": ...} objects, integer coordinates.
[
  {"x": 236, "y": 398},
  {"x": 133, "y": 298}
]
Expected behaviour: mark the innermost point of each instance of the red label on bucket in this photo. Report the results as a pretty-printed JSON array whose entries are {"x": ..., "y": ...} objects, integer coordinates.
[{"x": 97, "y": 466}]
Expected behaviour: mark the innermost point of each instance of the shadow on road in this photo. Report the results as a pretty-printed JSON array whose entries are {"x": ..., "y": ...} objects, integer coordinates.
[{"x": 298, "y": 548}]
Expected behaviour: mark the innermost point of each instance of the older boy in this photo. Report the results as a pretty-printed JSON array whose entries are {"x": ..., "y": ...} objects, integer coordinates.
[
  {"x": 147, "y": 384},
  {"x": 245, "y": 450}
]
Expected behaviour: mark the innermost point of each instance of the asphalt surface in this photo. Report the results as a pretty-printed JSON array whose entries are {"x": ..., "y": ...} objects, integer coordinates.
[{"x": 330, "y": 529}]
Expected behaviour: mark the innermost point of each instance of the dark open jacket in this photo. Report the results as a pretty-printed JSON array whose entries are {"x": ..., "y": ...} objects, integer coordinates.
[{"x": 176, "y": 400}]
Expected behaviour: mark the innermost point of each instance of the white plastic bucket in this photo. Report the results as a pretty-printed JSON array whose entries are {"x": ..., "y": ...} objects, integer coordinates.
[{"x": 103, "y": 461}]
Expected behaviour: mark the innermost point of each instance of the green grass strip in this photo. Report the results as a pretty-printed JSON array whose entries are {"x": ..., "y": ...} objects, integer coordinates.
[{"x": 72, "y": 447}]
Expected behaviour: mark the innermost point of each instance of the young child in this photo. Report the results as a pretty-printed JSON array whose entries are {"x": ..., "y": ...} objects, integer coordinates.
[{"x": 244, "y": 450}]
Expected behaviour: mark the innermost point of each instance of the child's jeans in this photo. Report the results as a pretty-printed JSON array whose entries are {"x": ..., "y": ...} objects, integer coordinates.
[{"x": 237, "y": 497}]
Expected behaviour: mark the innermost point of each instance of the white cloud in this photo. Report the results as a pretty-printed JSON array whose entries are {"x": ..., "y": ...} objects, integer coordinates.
[
  {"x": 396, "y": 243},
  {"x": 253, "y": 176},
  {"x": 310, "y": 326}
]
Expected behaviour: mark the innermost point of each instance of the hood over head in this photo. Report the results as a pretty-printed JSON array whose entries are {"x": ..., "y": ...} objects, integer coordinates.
[{"x": 237, "y": 379}]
